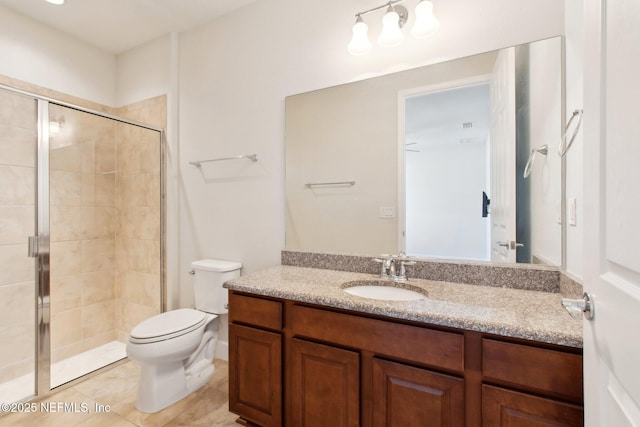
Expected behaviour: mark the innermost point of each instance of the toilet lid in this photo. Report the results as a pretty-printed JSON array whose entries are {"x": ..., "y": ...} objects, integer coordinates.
[
  {"x": 168, "y": 325},
  {"x": 217, "y": 265}
]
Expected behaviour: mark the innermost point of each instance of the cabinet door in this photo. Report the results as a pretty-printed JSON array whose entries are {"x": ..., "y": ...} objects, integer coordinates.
[
  {"x": 255, "y": 375},
  {"x": 505, "y": 408},
  {"x": 407, "y": 396},
  {"x": 325, "y": 385}
]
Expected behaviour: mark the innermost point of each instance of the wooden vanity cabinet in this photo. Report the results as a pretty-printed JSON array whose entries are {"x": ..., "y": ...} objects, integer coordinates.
[
  {"x": 297, "y": 364},
  {"x": 255, "y": 359},
  {"x": 508, "y": 408},
  {"x": 325, "y": 385},
  {"x": 377, "y": 372},
  {"x": 525, "y": 385}
]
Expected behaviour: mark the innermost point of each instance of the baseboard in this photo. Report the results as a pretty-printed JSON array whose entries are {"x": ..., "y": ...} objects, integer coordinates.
[{"x": 222, "y": 350}]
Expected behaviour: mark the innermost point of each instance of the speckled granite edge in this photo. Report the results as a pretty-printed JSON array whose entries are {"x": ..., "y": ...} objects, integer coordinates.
[
  {"x": 520, "y": 276},
  {"x": 570, "y": 287},
  {"x": 517, "y": 313}
]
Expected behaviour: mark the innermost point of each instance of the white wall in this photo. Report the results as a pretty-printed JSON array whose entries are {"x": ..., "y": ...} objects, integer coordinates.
[
  {"x": 574, "y": 33},
  {"x": 43, "y": 56},
  {"x": 144, "y": 72},
  {"x": 444, "y": 221}
]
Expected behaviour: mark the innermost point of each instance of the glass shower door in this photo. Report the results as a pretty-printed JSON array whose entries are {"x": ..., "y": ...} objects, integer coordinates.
[
  {"x": 105, "y": 225},
  {"x": 18, "y": 142},
  {"x": 82, "y": 220}
]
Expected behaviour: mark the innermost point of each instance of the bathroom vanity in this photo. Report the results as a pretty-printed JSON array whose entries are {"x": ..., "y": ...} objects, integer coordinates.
[{"x": 305, "y": 352}]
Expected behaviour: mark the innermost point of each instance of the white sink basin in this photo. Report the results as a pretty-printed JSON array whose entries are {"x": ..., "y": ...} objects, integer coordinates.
[{"x": 386, "y": 291}]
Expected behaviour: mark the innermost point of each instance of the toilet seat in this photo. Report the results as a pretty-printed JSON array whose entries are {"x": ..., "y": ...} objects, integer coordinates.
[{"x": 165, "y": 326}]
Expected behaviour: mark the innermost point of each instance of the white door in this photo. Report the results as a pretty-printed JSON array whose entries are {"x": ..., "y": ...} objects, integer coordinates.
[
  {"x": 503, "y": 157},
  {"x": 612, "y": 212}
]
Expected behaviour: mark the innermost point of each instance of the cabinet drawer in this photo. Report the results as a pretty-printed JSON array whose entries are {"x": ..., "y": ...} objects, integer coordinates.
[
  {"x": 553, "y": 372},
  {"x": 255, "y": 311},
  {"x": 439, "y": 349}
]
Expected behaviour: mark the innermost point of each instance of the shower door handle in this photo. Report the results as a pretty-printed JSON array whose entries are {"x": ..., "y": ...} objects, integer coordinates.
[{"x": 33, "y": 246}]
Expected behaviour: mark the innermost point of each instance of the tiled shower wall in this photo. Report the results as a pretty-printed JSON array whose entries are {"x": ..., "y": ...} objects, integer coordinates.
[
  {"x": 138, "y": 249},
  {"x": 17, "y": 199}
]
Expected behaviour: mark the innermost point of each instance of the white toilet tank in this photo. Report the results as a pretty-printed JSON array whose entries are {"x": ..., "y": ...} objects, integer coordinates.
[{"x": 208, "y": 277}]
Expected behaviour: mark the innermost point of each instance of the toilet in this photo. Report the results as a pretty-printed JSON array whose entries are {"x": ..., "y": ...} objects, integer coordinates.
[{"x": 175, "y": 349}]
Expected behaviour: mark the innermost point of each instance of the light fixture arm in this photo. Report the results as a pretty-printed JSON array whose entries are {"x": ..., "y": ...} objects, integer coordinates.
[{"x": 387, "y": 5}]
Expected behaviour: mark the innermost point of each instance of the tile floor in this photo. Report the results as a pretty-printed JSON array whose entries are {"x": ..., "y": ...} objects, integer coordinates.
[
  {"x": 65, "y": 370},
  {"x": 116, "y": 387}
]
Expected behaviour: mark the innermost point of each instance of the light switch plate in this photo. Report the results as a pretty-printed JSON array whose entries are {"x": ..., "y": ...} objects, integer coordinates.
[
  {"x": 571, "y": 211},
  {"x": 387, "y": 212}
]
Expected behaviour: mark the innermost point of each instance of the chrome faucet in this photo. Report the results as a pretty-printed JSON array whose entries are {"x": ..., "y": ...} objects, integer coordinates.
[
  {"x": 386, "y": 264},
  {"x": 390, "y": 264}
]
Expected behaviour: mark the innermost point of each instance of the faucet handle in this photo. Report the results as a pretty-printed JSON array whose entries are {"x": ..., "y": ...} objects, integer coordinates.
[
  {"x": 384, "y": 259},
  {"x": 402, "y": 277},
  {"x": 384, "y": 265}
]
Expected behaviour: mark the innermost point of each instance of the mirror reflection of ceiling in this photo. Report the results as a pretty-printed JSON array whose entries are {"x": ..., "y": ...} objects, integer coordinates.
[
  {"x": 119, "y": 25},
  {"x": 447, "y": 117}
]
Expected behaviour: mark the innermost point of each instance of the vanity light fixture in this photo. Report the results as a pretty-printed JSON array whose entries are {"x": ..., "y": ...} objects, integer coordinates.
[
  {"x": 55, "y": 126},
  {"x": 425, "y": 25},
  {"x": 392, "y": 21},
  {"x": 359, "y": 44}
]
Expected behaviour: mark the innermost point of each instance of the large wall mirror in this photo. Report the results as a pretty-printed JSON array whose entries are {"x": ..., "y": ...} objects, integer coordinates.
[{"x": 456, "y": 160}]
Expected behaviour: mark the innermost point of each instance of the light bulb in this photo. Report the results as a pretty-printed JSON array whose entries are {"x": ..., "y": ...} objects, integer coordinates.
[
  {"x": 359, "y": 44},
  {"x": 426, "y": 23},
  {"x": 54, "y": 128},
  {"x": 56, "y": 2},
  {"x": 391, "y": 34}
]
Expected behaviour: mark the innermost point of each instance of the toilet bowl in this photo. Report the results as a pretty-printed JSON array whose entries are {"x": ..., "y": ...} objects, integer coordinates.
[{"x": 175, "y": 349}]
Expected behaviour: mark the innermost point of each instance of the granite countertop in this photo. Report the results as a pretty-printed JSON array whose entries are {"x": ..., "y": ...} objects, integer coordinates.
[{"x": 518, "y": 313}]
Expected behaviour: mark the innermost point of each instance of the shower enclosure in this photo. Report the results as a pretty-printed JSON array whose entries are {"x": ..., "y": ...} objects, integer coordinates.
[{"x": 80, "y": 239}]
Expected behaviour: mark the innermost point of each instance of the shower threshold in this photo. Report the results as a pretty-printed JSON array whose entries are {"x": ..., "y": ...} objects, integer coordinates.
[{"x": 65, "y": 370}]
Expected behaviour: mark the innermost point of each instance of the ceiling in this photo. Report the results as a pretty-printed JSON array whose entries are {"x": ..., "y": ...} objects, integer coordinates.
[
  {"x": 119, "y": 25},
  {"x": 448, "y": 117}
]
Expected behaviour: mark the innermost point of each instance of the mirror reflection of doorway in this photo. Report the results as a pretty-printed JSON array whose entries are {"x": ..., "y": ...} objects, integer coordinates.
[{"x": 446, "y": 140}]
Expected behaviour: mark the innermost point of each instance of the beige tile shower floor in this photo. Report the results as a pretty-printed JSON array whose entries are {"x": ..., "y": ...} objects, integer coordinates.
[{"x": 117, "y": 388}]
